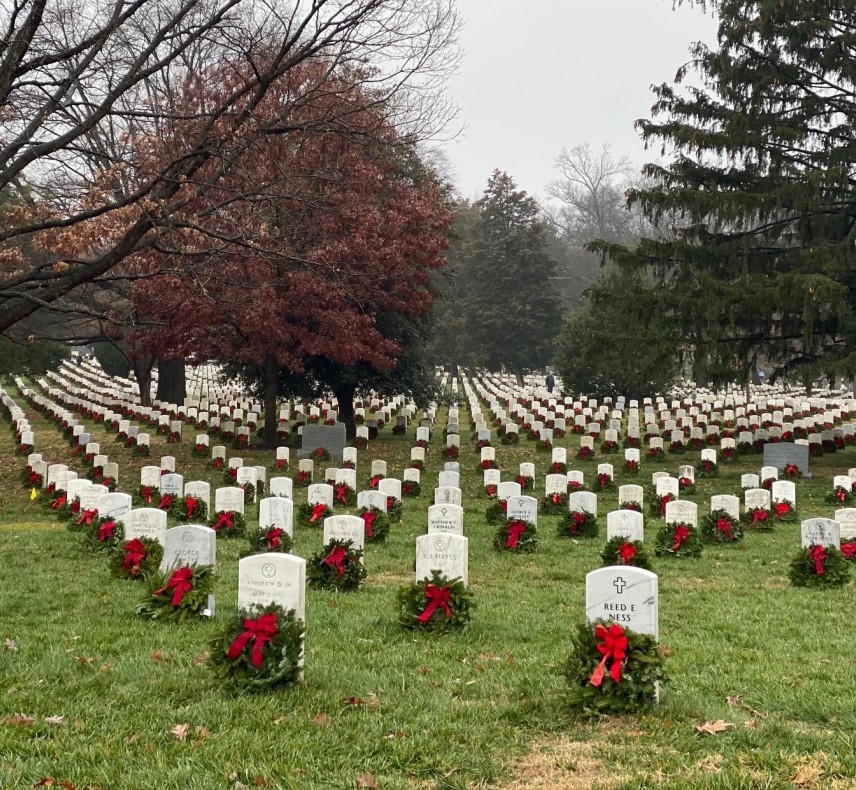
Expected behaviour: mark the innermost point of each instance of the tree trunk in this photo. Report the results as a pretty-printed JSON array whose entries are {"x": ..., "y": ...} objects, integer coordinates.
[
  {"x": 345, "y": 395},
  {"x": 271, "y": 374},
  {"x": 171, "y": 381},
  {"x": 142, "y": 367}
]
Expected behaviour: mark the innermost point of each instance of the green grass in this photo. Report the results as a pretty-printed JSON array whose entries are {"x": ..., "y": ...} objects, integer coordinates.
[{"x": 414, "y": 711}]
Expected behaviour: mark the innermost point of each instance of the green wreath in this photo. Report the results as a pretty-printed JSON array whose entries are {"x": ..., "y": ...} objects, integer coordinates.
[
  {"x": 784, "y": 511},
  {"x": 258, "y": 649},
  {"x": 447, "y": 604},
  {"x": 839, "y": 496},
  {"x": 554, "y": 504},
  {"x": 190, "y": 509},
  {"x": 641, "y": 670},
  {"x": 270, "y": 538},
  {"x": 394, "y": 508},
  {"x": 678, "y": 540},
  {"x": 102, "y": 534},
  {"x": 137, "y": 558},
  {"x": 410, "y": 488},
  {"x": 338, "y": 566},
  {"x": 657, "y": 502},
  {"x": 804, "y": 569},
  {"x": 577, "y": 524},
  {"x": 719, "y": 527},
  {"x": 620, "y": 551},
  {"x": 344, "y": 495},
  {"x": 179, "y": 594},
  {"x": 376, "y": 522},
  {"x": 759, "y": 519},
  {"x": 229, "y": 524},
  {"x": 147, "y": 496},
  {"x": 516, "y": 535},
  {"x": 320, "y": 454},
  {"x": 313, "y": 515},
  {"x": 707, "y": 468},
  {"x": 510, "y": 437},
  {"x": 494, "y": 513},
  {"x": 250, "y": 491}
]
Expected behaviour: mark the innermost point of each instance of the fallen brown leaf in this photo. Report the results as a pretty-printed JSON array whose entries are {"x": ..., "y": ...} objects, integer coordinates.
[
  {"x": 51, "y": 782},
  {"x": 86, "y": 661},
  {"x": 203, "y": 732},
  {"x": 279, "y": 720},
  {"x": 713, "y": 727},
  {"x": 159, "y": 656},
  {"x": 260, "y": 781},
  {"x": 734, "y": 699},
  {"x": 57, "y": 721},
  {"x": 664, "y": 651},
  {"x": 366, "y": 780},
  {"x": 20, "y": 719},
  {"x": 132, "y": 739},
  {"x": 180, "y": 731},
  {"x": 107, "y": 666},
  {"x": 201, "y": 658},
  {"x": 321, "y": 720},
  {"x": 10, "y": 645},
  {"x": 807, "y": 776},
  {"x": 353, "y": 701}
]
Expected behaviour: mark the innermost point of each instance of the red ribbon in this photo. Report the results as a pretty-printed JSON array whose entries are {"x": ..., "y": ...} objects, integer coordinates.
[
  {"x": 759, "y": 515},
  {"x": 523, "y": 481},
  {"x": 302, "y": 477},
  {"x": 437, "y": 597},
  {"x": 627, "y": 551},
  {"x": 224, "y": 520},
  {"x": 317, "y": 511},
  {"x": 368, "y": 519},
  {"x": 342, "y": 493},
  {"x": 556, "y": 499},
  {"x": 146, "y": 494},
  {"x": 681, "y": 534},
  {"x": 577, "y": 521},
  {"x": 818, "y": 554},
  {"x": 86, "y": 517},
  {"x": 840, "y": 494},
  {"x": 165, "y": 503},
  {"x": 336, "y": 559},
  {"x": 191, "y": 505},
  {"x": 723, "y": 525},
  {"x": 664, "y": 500},
  {"x": 490, "y": 490},
  {"x": 848, "y": 549},
  {"x": 75, "y": 507},
  {"x": 613, "y": 646},
  {"x": 135, "y": 552},
  {"x": 373, "y": 483},
  {"x": 272, "y": 537},
  {"x": 180, "y": 582},
  {"x": 59, "y": 502},
  {"x": 105, "y": 531},
  {"x": 515, "y": 532},
  {"x": 782, "y": 509},
  {"x": 261, "y": 631}
]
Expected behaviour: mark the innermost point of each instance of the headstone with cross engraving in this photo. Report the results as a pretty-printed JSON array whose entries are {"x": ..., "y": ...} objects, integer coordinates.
[
  {"x": 446, "y": 518},
  {"x": 625, "y": 595}
]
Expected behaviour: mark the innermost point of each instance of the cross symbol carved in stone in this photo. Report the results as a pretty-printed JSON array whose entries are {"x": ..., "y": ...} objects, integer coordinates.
[{"x": 619, "y": 585}]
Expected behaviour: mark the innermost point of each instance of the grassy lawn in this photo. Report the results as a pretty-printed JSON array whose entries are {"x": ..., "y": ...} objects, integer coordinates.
[{"x": 381, "y": 707}]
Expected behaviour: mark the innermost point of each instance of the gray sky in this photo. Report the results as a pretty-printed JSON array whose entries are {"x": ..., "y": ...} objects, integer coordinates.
[{"x": 538, "y": 75}]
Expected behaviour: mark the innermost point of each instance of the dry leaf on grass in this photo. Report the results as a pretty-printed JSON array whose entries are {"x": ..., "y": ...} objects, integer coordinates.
[
  {"x": 49, "y": 781},
  {"x": 713, "y": 727},
  {"x": 20, "y": 719},
  {"x": 366, "y": 780},
  {"x": 321, "y": 720},
  {"x": 10, "y": 645},
  {"x": 159, "y": 656},
  {"x": 57, "y": 721},
  {"x": 201, "y": 658},
  {"x": 180, "y": 731},
  {"x": 807, "y": 776}
]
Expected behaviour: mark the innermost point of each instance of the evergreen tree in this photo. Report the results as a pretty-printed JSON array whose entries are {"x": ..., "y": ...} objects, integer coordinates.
[
  {"x": 503, "y": 281},
  {"x": 762, "y": 263}
]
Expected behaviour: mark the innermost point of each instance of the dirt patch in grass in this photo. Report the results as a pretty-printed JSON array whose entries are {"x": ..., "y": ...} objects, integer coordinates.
[
  {"x": 563, "y": 764},
  {"x": 385, "y": 579}
]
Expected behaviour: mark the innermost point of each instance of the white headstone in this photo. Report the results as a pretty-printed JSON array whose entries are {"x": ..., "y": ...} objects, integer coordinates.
[
  {"x": 625, "y": 595},
  {"x": 444, "y": 552}
]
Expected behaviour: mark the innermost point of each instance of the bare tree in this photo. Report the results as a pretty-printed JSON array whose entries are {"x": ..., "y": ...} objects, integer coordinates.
[{"x": 84, "y": 85}]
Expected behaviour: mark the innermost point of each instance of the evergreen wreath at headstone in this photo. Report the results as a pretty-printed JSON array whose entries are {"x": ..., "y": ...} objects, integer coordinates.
[
  {"x": 338, "y": 566},
  {"x": 258, "y": 649},
  {"x": 312, "y": 515},
  {"x": 229, "y": 524},
  {"x": 136, "y": 559},
  {"x": 102, "y": 534},
  {"x": 720, "y": 527},
  {"x": 620, "y": 551},
  {"x": 377, "y": 524},
  {"x": 190, "y": 509},
  {"x": 179, "y": 594},
  {"x": 435, "y": 605},
  {"x": 411, "y": 489},
  {"x": 678, "y": 540},
  {"x": 554, "y": 504},
  {"x": 270, "y": 539},
  {"x": 819, "y": 566},
  {"x": 577, "y": 524},
  {"x": 516, "y": 535},
  {"x": 612, "y": 670}
]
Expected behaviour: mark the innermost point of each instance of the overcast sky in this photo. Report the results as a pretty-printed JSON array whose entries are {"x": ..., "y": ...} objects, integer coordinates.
[{"x": 538, "y": 75}]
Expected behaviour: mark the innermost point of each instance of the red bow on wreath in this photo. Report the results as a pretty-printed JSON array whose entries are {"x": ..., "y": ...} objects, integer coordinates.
[
  {"x": 224, "y": 520},
  {"x": 849, "y": 549},
  {"x": 437, "y": 597},
  {"x": 146, "y": 494},
  {"x": 664, "y": 500},
  {"x": 627, "y": 551},
  {"x": 59, "y": 502},
  {"x": 556, "y": 499},
  {"x": 368, "y": 520},
  {"x": 317, "y": 512},
  {"x": 336, "y": 559},
  {"x": 613, "y": 646},
  {"x": 180, "y": 582},
  {"x": 759, "y": 515},
  {"x": 681, "y": 534},
  {"x": 782, "y": 509},
  {"x": 578, "y": 519},
  {"x": 818, "y": 554},
  {"x": 135, "y": 553},
  {"x": 515, "y": 532},
  {"x": 342, "y": 494},
  {"x": 261, "y": 631},
  {"x": 191, "y": 506},
  {"x": 165, "y": 503},
  {"x": 105, "y": 531},
  {"x": 86, "y": 517},
  {"x": 840, "y": 494},
  {"x": 723, "y": 525},
  {"x": 272, "y": 537}
]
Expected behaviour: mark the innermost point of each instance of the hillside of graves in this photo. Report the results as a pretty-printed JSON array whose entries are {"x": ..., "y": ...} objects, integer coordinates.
[{"x": 758, "y": 668}]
